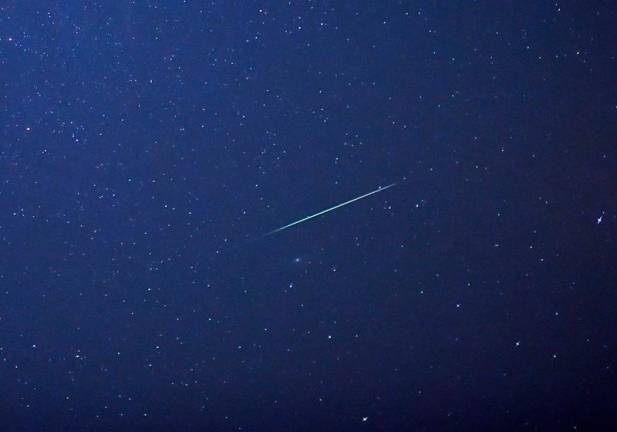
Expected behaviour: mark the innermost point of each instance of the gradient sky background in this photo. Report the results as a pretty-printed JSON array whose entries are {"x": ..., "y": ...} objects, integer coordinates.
[{"x": 146, "y": 147}]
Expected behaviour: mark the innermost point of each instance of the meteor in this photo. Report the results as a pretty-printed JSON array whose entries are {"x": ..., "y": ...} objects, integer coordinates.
[{"x": 380, "y": 189}]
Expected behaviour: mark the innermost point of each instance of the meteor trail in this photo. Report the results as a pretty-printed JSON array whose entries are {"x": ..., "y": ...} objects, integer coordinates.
[{"x": 330, "y": 209}]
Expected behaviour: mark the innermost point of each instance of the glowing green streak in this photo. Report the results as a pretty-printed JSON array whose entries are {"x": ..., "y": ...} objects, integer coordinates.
[{"x": 330, "y": 209}]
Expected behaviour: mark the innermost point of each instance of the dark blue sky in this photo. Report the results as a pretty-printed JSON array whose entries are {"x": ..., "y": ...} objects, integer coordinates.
[{"x": 147, "y": 147}]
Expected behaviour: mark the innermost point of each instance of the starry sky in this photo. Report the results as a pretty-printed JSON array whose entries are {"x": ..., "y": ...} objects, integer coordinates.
[{"x": 147, "y": 147}]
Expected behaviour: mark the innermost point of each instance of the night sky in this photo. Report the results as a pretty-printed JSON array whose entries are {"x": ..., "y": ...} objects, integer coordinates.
[{"x": 147, "y": 148}]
